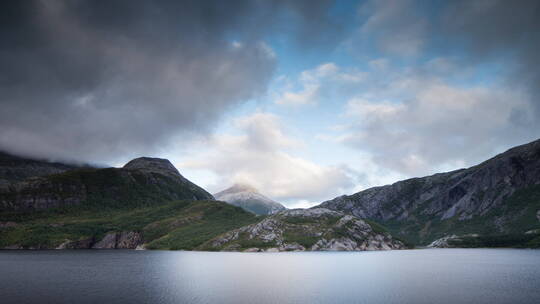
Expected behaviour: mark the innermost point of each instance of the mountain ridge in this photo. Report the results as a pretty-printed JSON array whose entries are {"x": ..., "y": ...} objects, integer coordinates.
[
  {"x": 500, "y": 195},
  {"x": 141, "y": 181}
]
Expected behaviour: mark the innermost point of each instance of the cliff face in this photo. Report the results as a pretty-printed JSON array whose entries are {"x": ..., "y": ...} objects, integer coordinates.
[
  {"x": 142, "y": 181},
  {"x": 500, "y": 195},
  {"x": 305, "y": 230}
]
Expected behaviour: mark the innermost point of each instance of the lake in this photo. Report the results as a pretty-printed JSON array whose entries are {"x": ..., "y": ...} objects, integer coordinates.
[{"x": 408, "y": 276}]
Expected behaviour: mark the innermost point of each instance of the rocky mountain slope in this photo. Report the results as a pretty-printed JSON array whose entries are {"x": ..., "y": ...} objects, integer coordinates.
[
  {"x": 142, "y": 181},
  {"x": 500, "y": 196},
  {"x": 250, "y": 199},
  {"x": 306, "y": 229}
]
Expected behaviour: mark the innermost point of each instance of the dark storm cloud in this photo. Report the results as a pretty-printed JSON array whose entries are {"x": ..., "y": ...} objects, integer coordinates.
[
  {"x": 473, "y": 32},
  {"x": 480, "y": 31},
  {"x": 505, "y": 32},
  {"x": 99, "y": 80}
]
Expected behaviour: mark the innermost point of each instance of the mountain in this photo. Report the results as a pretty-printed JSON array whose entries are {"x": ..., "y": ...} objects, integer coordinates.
[
  {"x": 142, "y": 181},
  {"x": 145, "y": 204},
  {"x": 15, "y": 168},
  {"x": 148, "y": 204},
  {"x": 250, "y": 199},
  {"x": 498, "y": 198},
  {"x": 316, "y": 229}
]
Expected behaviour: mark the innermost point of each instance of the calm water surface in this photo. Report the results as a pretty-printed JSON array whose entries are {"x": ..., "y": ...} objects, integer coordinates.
[{"x": 411, "y": 276}]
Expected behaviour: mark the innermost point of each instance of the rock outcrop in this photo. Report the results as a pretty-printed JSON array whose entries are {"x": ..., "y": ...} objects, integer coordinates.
[
  {"x": 119, "y": 240},
  {"x": 500, "y": 195},
  {"x": 112, "y": 240},
  {"x": 142, "y": 181},
  {"x": 250, "y": 199},
  {"x": 443, "y": 242},
  {"x": 317, "y": 229}
]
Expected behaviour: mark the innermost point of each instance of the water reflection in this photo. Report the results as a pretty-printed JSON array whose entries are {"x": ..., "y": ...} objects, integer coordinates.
[{"x": 414, "y": 276}]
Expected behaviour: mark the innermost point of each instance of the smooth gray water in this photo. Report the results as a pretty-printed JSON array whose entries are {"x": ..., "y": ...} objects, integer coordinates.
[{"x": 411, "y": 276}]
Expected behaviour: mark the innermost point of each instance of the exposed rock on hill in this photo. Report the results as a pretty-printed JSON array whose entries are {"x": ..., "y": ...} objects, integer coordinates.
[
  {"x": 443, "y": 242},
  {"x": 142, "y": 181},
  {"x": 529, "y": 239},
  {"x": 306, "y": 229},
  {"x": 498, "y": 196},
  {"x": 119, "y": 240},
  {"x": 153, "y": 165},
  {"x": 250, "y": 199}
]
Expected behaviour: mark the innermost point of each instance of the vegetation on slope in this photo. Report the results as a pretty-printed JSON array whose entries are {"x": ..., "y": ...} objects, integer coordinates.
[
  {"x": 175, "y": 225},
  {"x": 529, "y": 240},
  {"x": 305, "y": 229},
  {"x": 14, "y": 168},
  {"x": 103, "y": 188}
]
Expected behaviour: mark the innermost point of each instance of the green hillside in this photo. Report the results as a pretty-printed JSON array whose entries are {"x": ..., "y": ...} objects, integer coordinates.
[{"x": 175, "y": 225}]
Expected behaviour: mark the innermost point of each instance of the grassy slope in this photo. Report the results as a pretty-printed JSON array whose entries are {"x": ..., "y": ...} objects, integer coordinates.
[
  {"x": 174, "y": 225},
  {"x": 120, "y": 187}
]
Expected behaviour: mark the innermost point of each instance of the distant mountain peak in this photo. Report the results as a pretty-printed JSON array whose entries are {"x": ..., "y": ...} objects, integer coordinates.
[
  {"x": 152, "y": 164},
  {"x": 249, "y": 198},
  {"x": 241, "y": 187}
]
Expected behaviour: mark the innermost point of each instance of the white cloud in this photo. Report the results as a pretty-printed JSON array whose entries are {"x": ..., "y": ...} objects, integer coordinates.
[
  {"x": 439, "y": 126},
  {"x": 308, "y": 95},
  {"x": 317, "y": 83},
  {"x": 259, "y": 156}
]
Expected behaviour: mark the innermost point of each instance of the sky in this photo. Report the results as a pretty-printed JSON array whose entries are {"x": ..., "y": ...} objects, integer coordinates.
[{"x": 304, "y": 100}]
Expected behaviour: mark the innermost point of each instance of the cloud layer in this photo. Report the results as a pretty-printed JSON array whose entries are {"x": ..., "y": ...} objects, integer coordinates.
[{"x": 95, "y": 81}]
